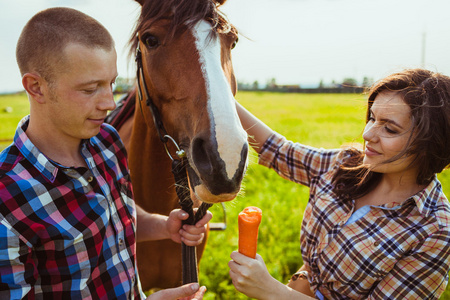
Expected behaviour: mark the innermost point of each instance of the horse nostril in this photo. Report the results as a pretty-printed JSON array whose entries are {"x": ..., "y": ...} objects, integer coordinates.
[
  {"x": 244, "y": 154},
  {"x": 212, "y": 169},
  {"x": 200, "y": 157}
]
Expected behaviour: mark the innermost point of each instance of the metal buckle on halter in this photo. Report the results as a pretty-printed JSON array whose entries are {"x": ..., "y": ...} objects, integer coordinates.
[{"x": 180, "y": 152}]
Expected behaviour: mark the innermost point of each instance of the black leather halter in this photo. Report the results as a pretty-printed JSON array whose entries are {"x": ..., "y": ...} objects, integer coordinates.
[
  {"x": 155, "y": 112},
  {"x": 189, "y": 253}
]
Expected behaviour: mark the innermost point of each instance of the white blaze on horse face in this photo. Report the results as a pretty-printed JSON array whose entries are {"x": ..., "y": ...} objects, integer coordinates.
[{"x": 225, "y": 122}]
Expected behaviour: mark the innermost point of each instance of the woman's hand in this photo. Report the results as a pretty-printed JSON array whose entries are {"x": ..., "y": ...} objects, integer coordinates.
[
  {"x": 190, "y": 235},
  {"x": 251, "y": 277}
]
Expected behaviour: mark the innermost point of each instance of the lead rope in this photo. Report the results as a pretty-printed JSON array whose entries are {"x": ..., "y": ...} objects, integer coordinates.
[{"x": 188, "y": 253}]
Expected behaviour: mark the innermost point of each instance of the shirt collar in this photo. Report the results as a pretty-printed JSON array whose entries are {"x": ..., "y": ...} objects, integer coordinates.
[
  {"x": 427, "y": 198},
  {"x": 32, "y": 153}
]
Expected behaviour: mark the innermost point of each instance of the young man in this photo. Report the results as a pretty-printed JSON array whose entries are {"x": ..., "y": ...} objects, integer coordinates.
[{"x": 68, "y": 223}]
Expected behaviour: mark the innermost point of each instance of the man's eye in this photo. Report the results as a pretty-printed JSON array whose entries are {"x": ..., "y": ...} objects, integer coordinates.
[{"x": 89, "y": 91}]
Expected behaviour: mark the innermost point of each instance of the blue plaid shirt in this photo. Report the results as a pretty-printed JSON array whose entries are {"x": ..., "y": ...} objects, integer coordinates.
[{"x": 67, "y": 232}]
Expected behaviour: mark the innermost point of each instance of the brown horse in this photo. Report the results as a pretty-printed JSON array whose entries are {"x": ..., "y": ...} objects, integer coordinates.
[{"x": 186, "y": 57}]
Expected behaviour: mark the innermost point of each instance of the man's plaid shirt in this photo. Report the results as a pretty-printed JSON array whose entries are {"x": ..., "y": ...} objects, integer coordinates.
[
  {"x": 67, "y": 232},
  {"x": 395, "y": 251}
]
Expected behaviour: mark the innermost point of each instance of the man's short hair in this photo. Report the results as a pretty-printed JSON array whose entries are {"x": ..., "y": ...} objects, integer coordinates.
[{"x": 42, "y": 42}]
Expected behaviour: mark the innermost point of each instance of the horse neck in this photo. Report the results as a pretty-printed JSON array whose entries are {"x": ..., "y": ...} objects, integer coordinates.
[{"x": 150, "y": 166}]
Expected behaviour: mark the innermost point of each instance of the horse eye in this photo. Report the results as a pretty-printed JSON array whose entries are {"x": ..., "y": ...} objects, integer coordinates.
[
  {"x": 150, "y": 40},
  {"x": 234, "y": 43}
]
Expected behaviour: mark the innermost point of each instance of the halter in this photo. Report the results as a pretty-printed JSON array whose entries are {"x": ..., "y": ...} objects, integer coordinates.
[{"x": 179, "y": 164}]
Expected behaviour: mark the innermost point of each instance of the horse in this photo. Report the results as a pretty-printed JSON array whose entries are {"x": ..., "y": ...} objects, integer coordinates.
[{"x": 185, "y": 47}]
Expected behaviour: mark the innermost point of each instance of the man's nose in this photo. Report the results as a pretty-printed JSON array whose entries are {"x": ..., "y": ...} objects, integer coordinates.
[{"x": 107, "y": 101}]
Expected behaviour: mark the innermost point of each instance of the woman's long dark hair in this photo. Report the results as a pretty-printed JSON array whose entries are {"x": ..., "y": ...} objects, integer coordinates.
[{"x": 428, "y": 95}]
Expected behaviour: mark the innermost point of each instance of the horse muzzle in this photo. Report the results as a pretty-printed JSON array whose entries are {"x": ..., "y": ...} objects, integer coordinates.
[{"x": 209, "y": 178}]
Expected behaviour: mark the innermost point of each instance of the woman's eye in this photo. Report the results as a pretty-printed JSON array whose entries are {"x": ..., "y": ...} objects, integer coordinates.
[
  {"x": 388, "y": 130},
  {"x": 150, "y": 41}
]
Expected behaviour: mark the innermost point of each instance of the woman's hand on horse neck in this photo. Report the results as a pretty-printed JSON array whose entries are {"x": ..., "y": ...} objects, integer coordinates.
[
  {"x": 151, "y": 227},
  {"x": 257, "y": 131}
]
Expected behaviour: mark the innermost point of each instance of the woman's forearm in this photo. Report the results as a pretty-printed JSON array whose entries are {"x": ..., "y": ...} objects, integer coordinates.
[{"x": 257, "y": 131}]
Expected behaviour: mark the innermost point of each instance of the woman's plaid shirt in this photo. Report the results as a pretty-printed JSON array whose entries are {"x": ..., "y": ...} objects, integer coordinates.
[
  {"x": 67, "y": 232},
  {"x": 396, "y": 251}
]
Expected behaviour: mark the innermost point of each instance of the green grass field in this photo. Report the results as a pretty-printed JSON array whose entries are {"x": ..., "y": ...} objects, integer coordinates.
[
  {"x": 321, "y": 120},
  {"x": 8, "y": 120}
]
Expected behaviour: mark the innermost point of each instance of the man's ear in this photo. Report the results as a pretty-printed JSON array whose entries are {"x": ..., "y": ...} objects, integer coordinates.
[{"x": 34, "y": 85}]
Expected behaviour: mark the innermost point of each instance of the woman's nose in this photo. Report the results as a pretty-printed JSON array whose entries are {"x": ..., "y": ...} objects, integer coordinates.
[{"x": 370, "y": 132}]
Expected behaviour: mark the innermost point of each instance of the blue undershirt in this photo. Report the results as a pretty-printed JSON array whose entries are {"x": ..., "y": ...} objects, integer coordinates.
[{"x": 358, "y": 214}]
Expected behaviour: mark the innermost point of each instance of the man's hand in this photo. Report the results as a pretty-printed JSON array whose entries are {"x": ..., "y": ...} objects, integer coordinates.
[
  {"x": 188, "y": 291},
  {"x": 190, "y": 235}
]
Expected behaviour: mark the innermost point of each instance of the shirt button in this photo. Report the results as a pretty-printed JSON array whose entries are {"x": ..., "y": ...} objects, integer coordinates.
[
  {"x": 121, "y": 242},
  {"x": 90, "y": 179},
  {"x": 376, "y": 243}
]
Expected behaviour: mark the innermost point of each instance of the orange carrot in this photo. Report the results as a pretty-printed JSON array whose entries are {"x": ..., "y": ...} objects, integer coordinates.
[{"x": 249, "y": 220}]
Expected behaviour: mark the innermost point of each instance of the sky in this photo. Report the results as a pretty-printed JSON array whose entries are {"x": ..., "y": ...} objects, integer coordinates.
[{"x": 294, "y": 41}]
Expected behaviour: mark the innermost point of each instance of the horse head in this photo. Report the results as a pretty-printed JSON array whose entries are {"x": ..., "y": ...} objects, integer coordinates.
[{"x": 185, "y": 47}]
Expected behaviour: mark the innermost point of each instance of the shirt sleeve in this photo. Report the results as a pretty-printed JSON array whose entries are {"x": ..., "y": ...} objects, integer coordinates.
[
  {"x": 421, "y": 275},
  {"x": 14, "y": 255},
  {"x": 294, "y": 161}
]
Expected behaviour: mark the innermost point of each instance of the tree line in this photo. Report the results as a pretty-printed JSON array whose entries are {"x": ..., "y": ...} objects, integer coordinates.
[{"x": 348, "y": 85}]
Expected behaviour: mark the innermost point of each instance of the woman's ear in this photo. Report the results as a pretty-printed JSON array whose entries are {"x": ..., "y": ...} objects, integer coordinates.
[{"x": 33, "y": 84}]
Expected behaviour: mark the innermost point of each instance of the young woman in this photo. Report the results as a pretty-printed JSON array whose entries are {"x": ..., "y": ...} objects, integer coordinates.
[{"x": 377, "y": 225}]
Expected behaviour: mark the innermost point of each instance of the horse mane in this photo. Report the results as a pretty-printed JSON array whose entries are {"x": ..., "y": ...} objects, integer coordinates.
[{"x": 184, "y": 15}]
